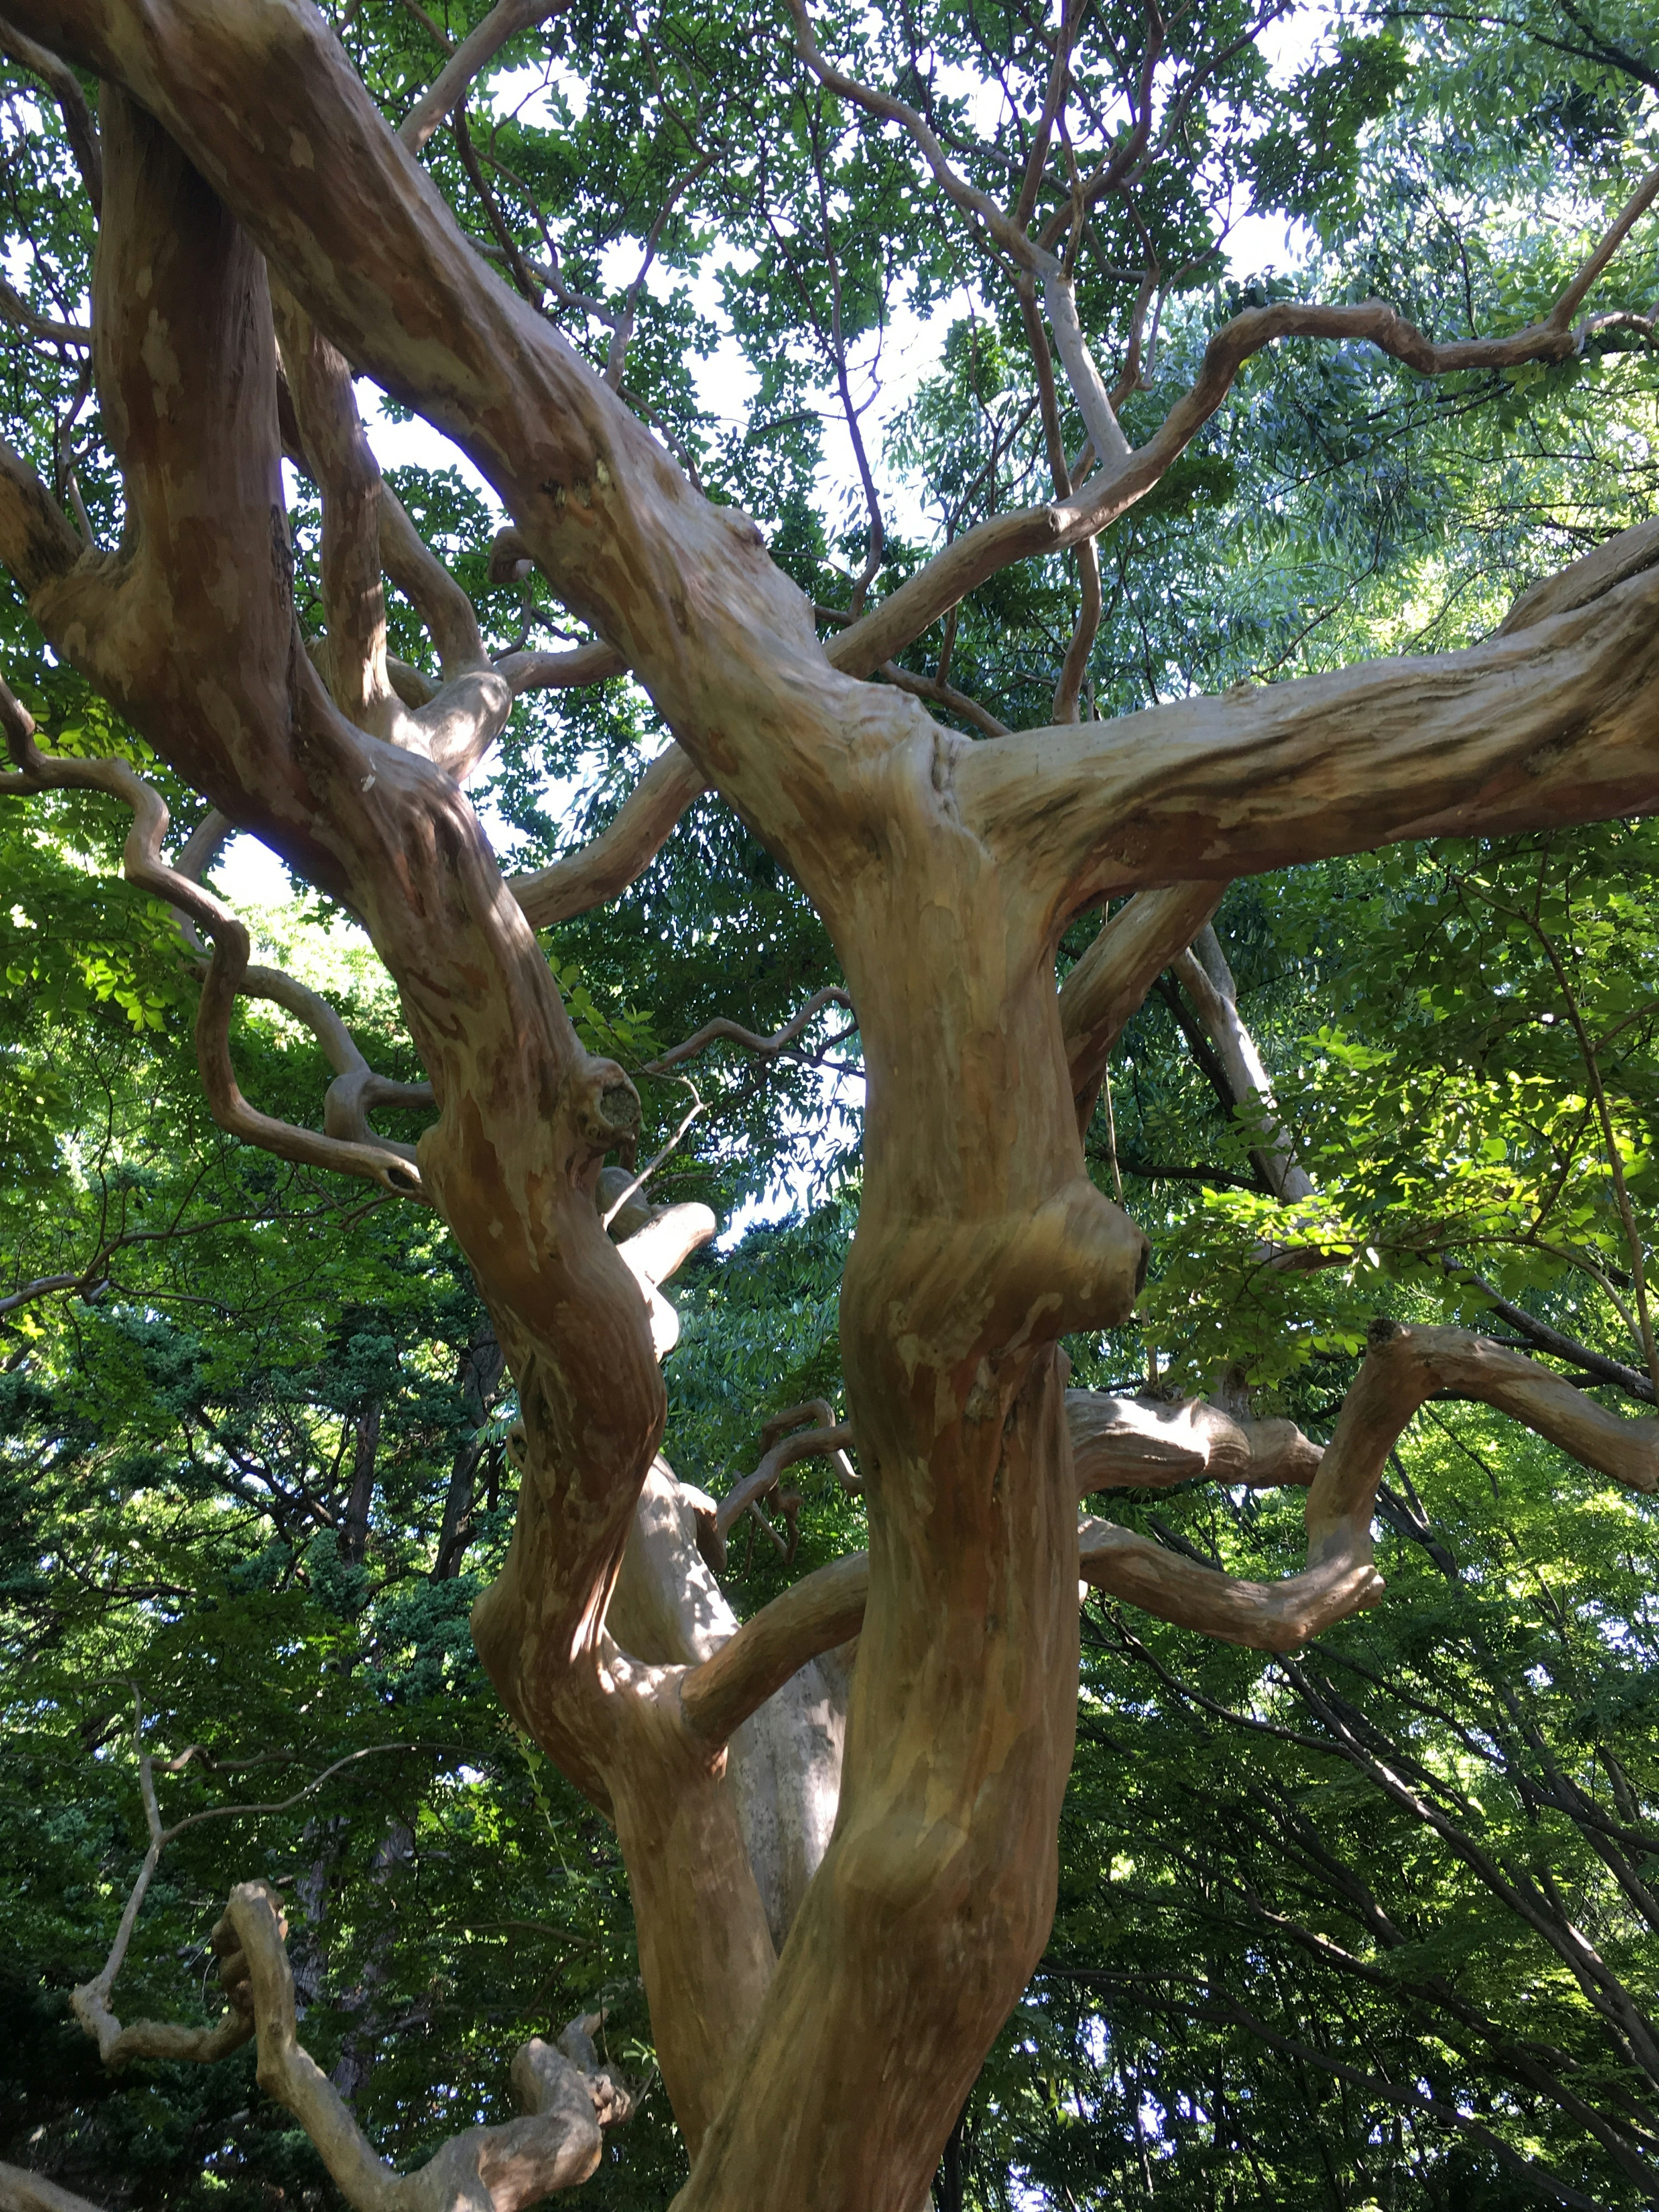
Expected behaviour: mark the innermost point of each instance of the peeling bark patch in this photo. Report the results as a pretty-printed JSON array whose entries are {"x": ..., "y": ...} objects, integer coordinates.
[
  {"x": 298, "y": 151},
  {"x": 161, "y": 361}
]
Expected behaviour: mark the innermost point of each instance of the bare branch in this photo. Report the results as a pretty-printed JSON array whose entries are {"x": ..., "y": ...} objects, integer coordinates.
[
  {"x": 1552, "y": 725},
  {"x": 476, "y": 52},
  {"x": 813, "y": 1615},
  {"x": 1069, "y": 689},
  {"x": 1147, "y": 1443},
  {"x": 38, "y": 542},
  {"x": 1634, "y": 209},
  {"x": 226, "y": 971},
  {"x": 722, "y": 1030},
  {"x": 623, "y": 849},
  {"x": 1109, "y": 982},
  {"x": 941, "y": 694},
  {"x": 434, "y": 594},
  {"x": 78, "y": 126},
  {"x": 1625, "y": 555},
  {"x": 828, "y": 1440},
  {"x": 1208, "y": 982},
  {"x": 981, "y": 552},
  {"x": 21, "y": 2191},
  {"x": 16, "y": 309},
  {"x": 563, "y": 671},
  {"x": 1402, "y": 1367},
  {"x": 349, "y": 477}
]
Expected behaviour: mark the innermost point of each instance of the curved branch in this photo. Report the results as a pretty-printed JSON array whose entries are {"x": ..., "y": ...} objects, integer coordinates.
[
  {"x": 993, "y": 545},
  {"x": 348, "y": 477},
  {"x": 22, "y": 2192},
  {"x": 723, "y": 1030},
  {"x": 427, "y": 584},
  {"x": 623, "y": 850},
  {"x": 227, "y": 969},
  {"x": 945, "y": 695},
  {"x": 78, "y": 126},
  {"x": 496, "y": 2169},
  {"x": 16, "y": 309},
  {"x": 1402, "y": 1367},
  {"x": 813, "y": 1615},
  {"x": 828, "y": 1441},
  {"x": 1128, "y": 1442},
  {"x": 1109, "y": 983},
  {"x": 476, "y": 52}
]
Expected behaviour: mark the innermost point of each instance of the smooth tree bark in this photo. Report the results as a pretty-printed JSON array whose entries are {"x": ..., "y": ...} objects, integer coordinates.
[{"x": 840, "y": 1893}]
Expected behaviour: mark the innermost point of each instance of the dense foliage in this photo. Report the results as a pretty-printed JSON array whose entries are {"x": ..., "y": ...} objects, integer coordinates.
[{"x": 1373, "y": 1927}]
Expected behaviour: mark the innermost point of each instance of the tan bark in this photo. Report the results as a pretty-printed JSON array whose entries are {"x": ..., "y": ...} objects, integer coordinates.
[
  {"x": 1109, "y": 983},
  {"x": 22, "y": 2192},
  {"x": 828, "y": 2076}
]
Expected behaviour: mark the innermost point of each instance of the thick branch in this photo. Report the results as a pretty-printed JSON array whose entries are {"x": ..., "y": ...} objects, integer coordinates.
[
  {"x": 1142, "y": 1444},
  {"x": 349, "y": 478},
  {"x": 1556, "y": 723},
  {"x": 21, "y": 2191},
  {"x": 813, "y": 1615},
  {"x": 626, "y": 846},
  {"x": 39, "y": 543}
]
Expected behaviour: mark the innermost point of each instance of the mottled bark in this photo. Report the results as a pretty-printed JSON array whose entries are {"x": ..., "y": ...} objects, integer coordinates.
[{"x": 828, "y": 2075}]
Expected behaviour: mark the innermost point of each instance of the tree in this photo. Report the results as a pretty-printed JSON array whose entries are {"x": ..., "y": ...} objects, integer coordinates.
[{"x": 256, "y": 206}]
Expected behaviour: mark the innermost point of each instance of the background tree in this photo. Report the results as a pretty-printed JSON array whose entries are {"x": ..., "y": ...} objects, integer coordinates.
[{"x": 946, "y": 874}]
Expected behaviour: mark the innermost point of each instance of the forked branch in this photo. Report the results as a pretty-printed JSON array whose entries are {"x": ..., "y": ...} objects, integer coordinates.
[
  {"x": 983, "y": 551},
  {"x": 1402, "y": 1368},
  {"x": 476, "y": 53},
  {"x": 567, "y": 2100}
]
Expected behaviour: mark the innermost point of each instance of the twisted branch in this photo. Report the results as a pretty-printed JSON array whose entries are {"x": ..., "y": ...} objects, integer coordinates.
[
  {"x": 1130, "y": 1443},
  {"x": 567, "y": 2101},
  {"x": 228, "y": 973},
  {"x": 721, "y": 1030},
  {"x": 828, "y": 1440}
]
